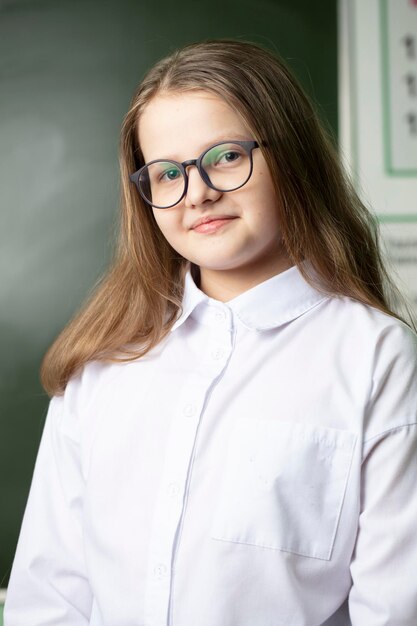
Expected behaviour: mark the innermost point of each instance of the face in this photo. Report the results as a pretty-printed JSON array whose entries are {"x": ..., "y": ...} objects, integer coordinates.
[{"x": 245, "y": 246}]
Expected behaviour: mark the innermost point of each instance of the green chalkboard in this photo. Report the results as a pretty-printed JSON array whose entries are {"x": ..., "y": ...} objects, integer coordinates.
[{"x": 68, "y": 69}]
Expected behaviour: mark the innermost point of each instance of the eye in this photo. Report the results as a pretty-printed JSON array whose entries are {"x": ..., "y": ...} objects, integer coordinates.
[
  {"x": 223, "y": 155},
  {"x": 172, "y": 174},
  {"x": 229, "y": 157}
]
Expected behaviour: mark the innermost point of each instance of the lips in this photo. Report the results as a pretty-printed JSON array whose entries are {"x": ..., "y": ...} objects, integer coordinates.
[
  {"x": 212, "y": 226},
  {"x": 211, "y": 218}
]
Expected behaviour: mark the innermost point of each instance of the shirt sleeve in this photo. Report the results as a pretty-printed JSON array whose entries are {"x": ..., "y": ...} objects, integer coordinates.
[
  {"x": 48, "y": 583},
  {"x": 384, "y": 563}
]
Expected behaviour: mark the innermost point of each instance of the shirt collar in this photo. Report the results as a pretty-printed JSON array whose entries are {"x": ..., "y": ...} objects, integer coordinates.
[{"x": 273, "y": 302}]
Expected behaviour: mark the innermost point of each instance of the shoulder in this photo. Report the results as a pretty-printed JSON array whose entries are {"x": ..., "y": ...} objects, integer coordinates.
[
  {"x": 381, "y": 352},
  {"x": 83, "y": 386},
  {"x": 390, "y": 335},
  {"x": 362, "y": 322},
  {"x": 102, "y": 386},
  {"x": 75, "y": 409},
  {"x": 390, "y": 346},
  {"x": 359, "y": 333}
]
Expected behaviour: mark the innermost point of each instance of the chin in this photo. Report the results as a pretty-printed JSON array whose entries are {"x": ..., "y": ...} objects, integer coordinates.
[{"x": 216, "y": 265}]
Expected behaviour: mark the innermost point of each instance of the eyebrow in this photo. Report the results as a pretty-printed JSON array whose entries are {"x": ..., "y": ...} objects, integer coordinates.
[{"x": 228, "y": 136}]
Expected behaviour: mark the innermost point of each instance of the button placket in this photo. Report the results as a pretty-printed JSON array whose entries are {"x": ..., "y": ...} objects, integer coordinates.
[
  {"x": 189, "y": 409},
  {"x": 170, "y": 500},
  {"x": 173, "y": 489},
  {"x": 160, "y": 571},
  {"x": 217, "y": 353}
]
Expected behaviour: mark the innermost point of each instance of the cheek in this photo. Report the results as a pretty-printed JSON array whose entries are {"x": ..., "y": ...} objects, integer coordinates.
[
  {"x": 168, "y": 225},
  {"x": 263, "y": 189},
  {"x": 264, "y": 207},
  {"x": 162, "y": 220}
]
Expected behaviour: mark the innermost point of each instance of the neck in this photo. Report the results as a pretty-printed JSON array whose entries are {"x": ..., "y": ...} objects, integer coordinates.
[{"x": 224, "y": 285}]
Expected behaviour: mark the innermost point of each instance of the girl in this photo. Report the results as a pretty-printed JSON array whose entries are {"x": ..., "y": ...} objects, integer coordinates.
[{"x": 231, "y": 438}]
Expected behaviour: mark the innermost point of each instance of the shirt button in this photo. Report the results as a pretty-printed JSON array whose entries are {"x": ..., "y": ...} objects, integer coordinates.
[
  {"x": 220, "y": 316},
  {"x": 160, "y": 571},
  {"x": 217, "y": 353},
  {"x": 173, "y": 489},
  {"x": 189, "y": 410}
]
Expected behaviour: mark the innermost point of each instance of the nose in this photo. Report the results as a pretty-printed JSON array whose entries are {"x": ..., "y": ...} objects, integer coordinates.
[{"x": 198, "y": 192}]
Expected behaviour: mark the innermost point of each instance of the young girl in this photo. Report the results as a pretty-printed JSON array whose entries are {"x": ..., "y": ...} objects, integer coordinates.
[{"x": 231, "y": 438}]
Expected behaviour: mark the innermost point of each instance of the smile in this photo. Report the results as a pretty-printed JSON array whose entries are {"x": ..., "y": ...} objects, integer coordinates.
[{"x": 213, "y": 226}]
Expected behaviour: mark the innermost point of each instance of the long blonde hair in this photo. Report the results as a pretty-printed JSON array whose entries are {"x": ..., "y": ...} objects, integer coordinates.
[{"x": 135, "y": 303}]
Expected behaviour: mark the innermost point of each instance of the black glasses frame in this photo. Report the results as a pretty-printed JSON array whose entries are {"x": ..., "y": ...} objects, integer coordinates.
[{"x": 247, "y": 145}]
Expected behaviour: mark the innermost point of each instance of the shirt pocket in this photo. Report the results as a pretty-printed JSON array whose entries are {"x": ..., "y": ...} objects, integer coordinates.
[{"x": 283, "y": 486}]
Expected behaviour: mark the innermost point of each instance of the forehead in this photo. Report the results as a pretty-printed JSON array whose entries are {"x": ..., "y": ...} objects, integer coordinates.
[{"x": 181, "y": 125}]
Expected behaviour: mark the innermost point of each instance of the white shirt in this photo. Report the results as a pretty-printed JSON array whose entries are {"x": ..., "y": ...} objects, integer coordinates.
[{"x": 257, "y": 468}]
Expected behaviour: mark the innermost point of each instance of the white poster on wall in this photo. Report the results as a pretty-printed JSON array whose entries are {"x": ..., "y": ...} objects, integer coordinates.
[{"x": 378, "y": 120}]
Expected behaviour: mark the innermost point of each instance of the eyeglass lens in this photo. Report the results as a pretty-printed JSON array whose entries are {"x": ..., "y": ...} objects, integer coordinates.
[{"x": 227, "y": 166}]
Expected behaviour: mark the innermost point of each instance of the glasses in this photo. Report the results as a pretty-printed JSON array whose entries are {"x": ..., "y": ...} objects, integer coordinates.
[{"x": 225, "y": 166}]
